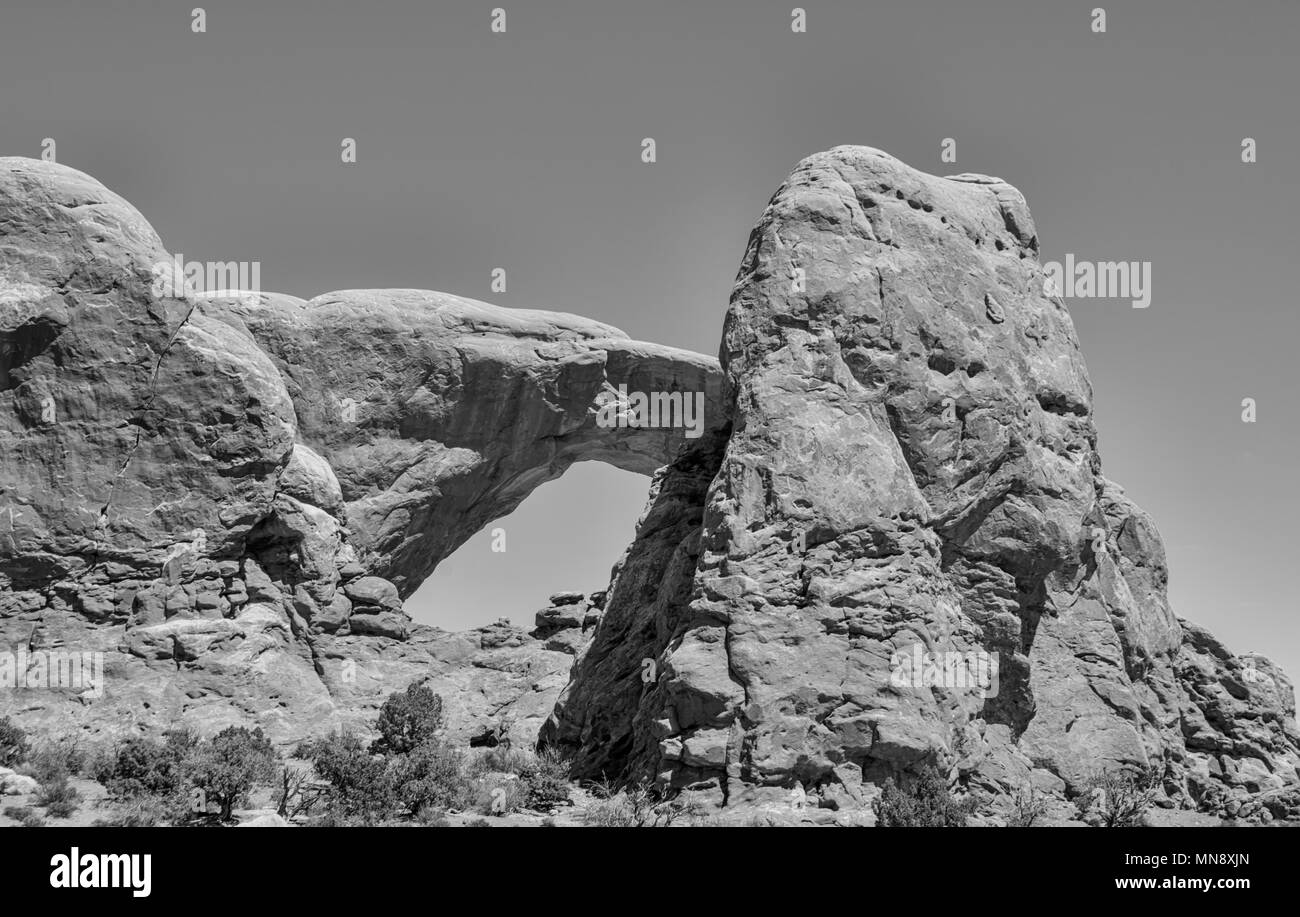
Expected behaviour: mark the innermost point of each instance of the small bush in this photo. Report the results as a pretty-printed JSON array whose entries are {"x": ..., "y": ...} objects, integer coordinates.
[
  {"x": 144, "y": 766},
  {"x": 609, "y": 813},
  {"x": 13, "y": 743},
  {"x": 230, "y": 765},
  {"x": 548, "y": 781},
  {"x": 25, "y": 816},
  {"x": 431, "y": 817},
  {"x": 147, "y": 812},
  {"x": 431, "y": 776},
  {"x": 57, "y": 760},
  {"x": 478, "y": 823},
  {"x": 58, "y": 798},
  {"x": 358, "y": 784},
  {"x": 925, "y": 803},
  {"x": 502, "y": 759},
  {"x": 408, "y": 720},
  {"x": 502, "y": 796},
  {"x": 1118, "y": 798},
  {"x": 637, "y": 805},
  {"x": 331, "y": 816},
  {"x": 1026, "y": 808}
]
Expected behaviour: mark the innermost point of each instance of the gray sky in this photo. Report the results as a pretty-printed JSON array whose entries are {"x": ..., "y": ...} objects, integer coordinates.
[{"x": 522, "y": 151}]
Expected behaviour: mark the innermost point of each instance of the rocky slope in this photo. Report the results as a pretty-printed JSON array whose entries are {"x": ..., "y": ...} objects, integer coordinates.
[{"x": 892, "y": 543}]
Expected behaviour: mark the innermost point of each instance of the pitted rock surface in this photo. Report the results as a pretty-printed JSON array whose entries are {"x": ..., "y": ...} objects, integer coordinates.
[{"x": 910, "y": 467}]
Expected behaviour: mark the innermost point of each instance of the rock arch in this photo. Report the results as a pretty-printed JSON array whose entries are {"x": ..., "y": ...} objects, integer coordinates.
[
  {"x": 439, "y": 414},
  {"x": 228, "y": 495}
]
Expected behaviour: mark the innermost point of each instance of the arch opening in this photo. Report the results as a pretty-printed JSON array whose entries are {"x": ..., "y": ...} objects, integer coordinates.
[{"x": 565, "y": 536}]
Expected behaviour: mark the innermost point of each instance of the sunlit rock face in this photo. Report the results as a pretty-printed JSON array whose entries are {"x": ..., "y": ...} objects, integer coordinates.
[
  {"x": 228, "y": 495},
  {"x": 901, "y": 549}
]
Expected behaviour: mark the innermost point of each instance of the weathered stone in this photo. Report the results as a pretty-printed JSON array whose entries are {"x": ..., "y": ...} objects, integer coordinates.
[
  {"x": 230, "y": 495},
  {"x": 373, "y": 590},
  {"x": 912, "y": 467},
  {"x": 309, "y": 478},
  {"x": 351, "y": 570},
  {"x": 382, "y": 624},
  {"x": 556, "y": 618}
]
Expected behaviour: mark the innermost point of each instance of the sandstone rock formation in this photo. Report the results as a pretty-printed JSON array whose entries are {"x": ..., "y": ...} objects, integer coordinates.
[
  {"x": 229, "y": 495},
  {"x": 891, "y": 544},
  {"x": 911, "y": 468}
]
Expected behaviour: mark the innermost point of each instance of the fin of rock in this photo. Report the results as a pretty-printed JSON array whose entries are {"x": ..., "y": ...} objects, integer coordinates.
[{"x": 901, "y": 548}]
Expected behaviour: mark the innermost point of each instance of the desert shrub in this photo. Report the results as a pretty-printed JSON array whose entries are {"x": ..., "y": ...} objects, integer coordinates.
[
  {"x": 358, "y": 787},
  {"x": 1119, "y": 797},
  {"x": 331, "y": 816},
  {"x": 13, "y": 743},
  {"x": 549, "y": 822},
  {"x": 478, "y": 823},
  {"x": 544, "y": 776},
  {"x": 548, "y": 781},
  {"x": 145, "y": 766},
  {"x": 1026, "y": 808},
  {"x": 614, "y": 812},
  {"x": 407, "y": 720},
  {"x": 228, "y": 766},
  {"x": 927, "y": 802},
  {"x": 25, "y": 816},
  {"x": 429, "y": 776},
  {"x": 502, "y": 759},
  {"x": 501, "y": 796},
  {"x": 145, "y": 811},
  {"x": 431, "y": 817},
  {"x": 56, "y": 760},
  {"x": 637, "y": 804},
  {"x": 58, "y": 798}
]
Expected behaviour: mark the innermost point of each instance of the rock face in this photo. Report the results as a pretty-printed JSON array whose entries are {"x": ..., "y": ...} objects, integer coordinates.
[
  {"x": 229, "y": 495},
  {"x": 888, "y": 542},
  {"x": 903, "y": 549}
]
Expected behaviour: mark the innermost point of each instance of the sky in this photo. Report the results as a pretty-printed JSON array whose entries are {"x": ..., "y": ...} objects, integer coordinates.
[{"x": 522, "y": 151}]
